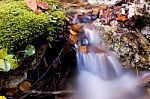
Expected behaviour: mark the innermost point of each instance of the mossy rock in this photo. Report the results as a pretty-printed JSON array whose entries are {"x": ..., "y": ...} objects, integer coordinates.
[{"x": 19, "y": 24}]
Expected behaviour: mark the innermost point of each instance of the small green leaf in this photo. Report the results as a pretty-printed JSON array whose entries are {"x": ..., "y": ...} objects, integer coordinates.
[
  {"x": 30, "y": 50},
  {"x": 2, "y": 65},
  {"x": 9, "y": 57},
  {"x": 13, "y": 63},
  {"x": 3, "y": 53},
  {"x": 7, "y": 66}
]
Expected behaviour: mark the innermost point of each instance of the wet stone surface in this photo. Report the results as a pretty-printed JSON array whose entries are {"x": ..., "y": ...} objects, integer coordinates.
[{"x": 119, "y": 33}]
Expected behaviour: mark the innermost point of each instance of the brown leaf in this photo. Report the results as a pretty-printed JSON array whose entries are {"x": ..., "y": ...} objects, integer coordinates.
[
  {"x": 66, "y": 49},
  {"x": 95, "y": 10},
  {"x": 24, "y": 85},
  {"x": 31, "y": 4},
  {"x": 38, "y": 11},
  {"x": 42, "y": 5}
]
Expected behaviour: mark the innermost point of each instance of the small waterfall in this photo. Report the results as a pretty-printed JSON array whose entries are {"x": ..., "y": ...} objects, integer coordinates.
[
  {"x": 104, "y": 65},
  {"x": 101, "y": 74}
]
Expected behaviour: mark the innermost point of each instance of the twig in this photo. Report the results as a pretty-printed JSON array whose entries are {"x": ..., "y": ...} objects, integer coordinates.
[
  {"x": 60, "y": 53},
  {"x": 52, "y": 92},
  {"x": 25, "y": 94},
  {"x": 137, "y": 71},
  {"x": 45, "y": 62},
  {"x": 30, "y": 92},
  {"x": 141, "y": 37}
]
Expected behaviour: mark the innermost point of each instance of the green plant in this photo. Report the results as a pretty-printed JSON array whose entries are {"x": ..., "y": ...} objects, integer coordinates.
[
  {"x": 7, "y": 61},
  {"x": 30, "y": 50}
]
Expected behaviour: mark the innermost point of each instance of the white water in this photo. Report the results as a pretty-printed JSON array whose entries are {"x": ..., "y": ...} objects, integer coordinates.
[{"x": 101, "y": 74}]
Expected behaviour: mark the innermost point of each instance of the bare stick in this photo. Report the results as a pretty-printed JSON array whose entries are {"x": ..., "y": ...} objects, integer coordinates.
[
  {"x": 30, "y": 92},
  {"x": 52, "y": 92}
]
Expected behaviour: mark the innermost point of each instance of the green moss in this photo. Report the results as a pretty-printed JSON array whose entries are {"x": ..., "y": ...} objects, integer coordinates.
[{"x": 18, "y": 24}]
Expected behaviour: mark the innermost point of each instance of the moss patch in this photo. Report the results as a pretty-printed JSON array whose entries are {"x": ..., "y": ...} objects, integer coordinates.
[{"x": 18, "y": 24}]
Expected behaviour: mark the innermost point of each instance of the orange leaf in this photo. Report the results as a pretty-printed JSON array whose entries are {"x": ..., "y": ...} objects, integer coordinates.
[
  {"x": 121, "y": 18},
  {"x": 95, "y": 10},
  {"x": 72, "y": 32},
  {"x": 73, "y": 38},
  {"x": 38, "y": 11},
  {"x": 74, "y": 27},
  {"x": 31, "y": 4},
  {"x": 83, "y": 49},
  {"x": 24, "y": 85}
]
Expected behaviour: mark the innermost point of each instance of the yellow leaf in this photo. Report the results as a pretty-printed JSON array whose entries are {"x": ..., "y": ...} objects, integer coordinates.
[
  {"x": 2, "y": 97},
  {"x": 24, "y": 85},
  {"x": 3, "y": 53},
  {"x": 148, "y": 90},
  {"x": 72, "y": 32},
  {"x": 73, "y": 38}
]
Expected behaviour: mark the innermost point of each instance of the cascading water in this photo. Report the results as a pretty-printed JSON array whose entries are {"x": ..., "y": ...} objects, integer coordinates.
[
  {"x": 100, "y": 74},
  {"x": 103, "y": 64}
]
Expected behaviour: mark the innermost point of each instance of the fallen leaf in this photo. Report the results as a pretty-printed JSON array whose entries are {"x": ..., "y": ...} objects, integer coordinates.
[
  {"x": 121, "y": 18},
  {"x": 73, "y": 38},
  {"x": 24, "y": 85},
  {"x": 74, "y": 27},
  {"x": 31, "y": 4},
  {"x": 42, "y": 5},
  {"x": 38, "y": 11},
  {"x": 67, "y": 19},
  {"x": 2, "y": 97},
  {"x": 148, "y": 90},
  {"x": 83, "y": 49},
  {"x": 66, "y": 49},
  {"x": 72, "y": 32},
  {"x": 95, "y": 10}
]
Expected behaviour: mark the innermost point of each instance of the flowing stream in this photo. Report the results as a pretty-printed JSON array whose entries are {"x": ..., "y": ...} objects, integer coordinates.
[{"x": 101, "y": 75}]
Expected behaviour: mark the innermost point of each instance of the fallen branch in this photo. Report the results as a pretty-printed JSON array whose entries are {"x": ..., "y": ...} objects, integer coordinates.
[
  {"x": 52, "y": 92},
  {"x": 45, "y": 62},
  {"x": 142, "y": 38},
  {"x": 54, "y": 64},
  {"x": 37, "y": 93}
]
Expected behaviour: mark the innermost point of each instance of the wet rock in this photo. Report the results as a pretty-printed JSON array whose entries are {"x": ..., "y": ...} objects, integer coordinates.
[{"x": 118, "y": 33}]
